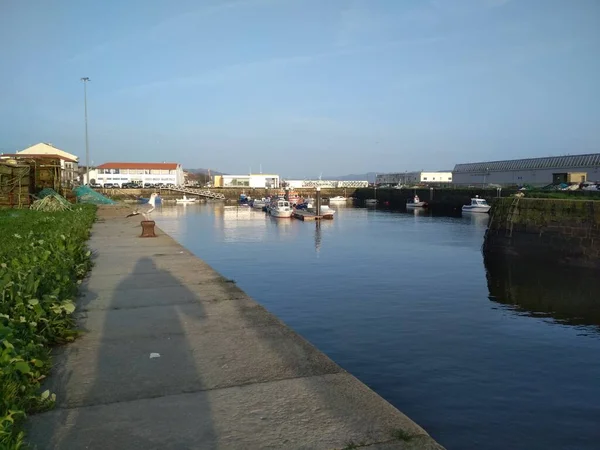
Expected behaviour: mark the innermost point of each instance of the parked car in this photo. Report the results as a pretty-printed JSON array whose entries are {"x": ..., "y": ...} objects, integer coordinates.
[
  {"x": 148, "y": 185},
  {"x": 95, "y": 185},
  {"x": 171, "y": 185},
  {"x": 109, "y": 186}
]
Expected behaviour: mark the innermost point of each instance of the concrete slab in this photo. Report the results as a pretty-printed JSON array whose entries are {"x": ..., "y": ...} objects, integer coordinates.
[
  {"x": 230, "y": 375},
  {"x": 323, "y": 412}
]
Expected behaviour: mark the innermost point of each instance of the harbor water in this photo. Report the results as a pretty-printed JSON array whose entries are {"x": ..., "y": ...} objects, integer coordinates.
[{"x": 482, "y": 354}]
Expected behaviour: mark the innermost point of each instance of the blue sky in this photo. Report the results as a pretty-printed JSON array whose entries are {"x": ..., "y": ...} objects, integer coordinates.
[{"x": 303, "y": 86}]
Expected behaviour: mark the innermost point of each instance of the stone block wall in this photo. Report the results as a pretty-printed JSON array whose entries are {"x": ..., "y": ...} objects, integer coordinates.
[{"x": 552, "y": 230}]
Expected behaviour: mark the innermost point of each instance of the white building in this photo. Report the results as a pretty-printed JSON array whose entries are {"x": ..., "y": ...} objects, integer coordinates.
[
  {"x": 141, "y": 173},
  {"x": 261, "y": 181},
  {"x": 68, "y": 162},
  {"x": 411, "y": 178},
  {"x": 532, "y": 171},
  {"x": 326, "y": 184}
]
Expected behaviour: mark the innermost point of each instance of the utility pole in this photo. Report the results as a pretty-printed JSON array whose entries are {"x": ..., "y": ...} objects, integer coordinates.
[{"x": 87, "y": 146}]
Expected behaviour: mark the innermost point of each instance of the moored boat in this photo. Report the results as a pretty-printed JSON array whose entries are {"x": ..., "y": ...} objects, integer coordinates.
[
  {"x": 371, "y": 201},
  {"x": 185, "y": 200},
  {"x": 415, "y": 203},
  {"x": 280, "y": 208},
  {"x": 337, "y": 198},
  {"x": 478, "y": 205}
]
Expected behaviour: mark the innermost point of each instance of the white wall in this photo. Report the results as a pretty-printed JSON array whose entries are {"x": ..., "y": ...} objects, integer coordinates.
[
  {"x": 174, "y": 177},
  {"x": 436, "y": 177}
]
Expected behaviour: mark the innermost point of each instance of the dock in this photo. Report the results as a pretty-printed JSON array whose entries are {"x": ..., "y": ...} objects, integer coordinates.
[
  {"x": 308, "y": 216},
  {"x": 174, "y": 355}
]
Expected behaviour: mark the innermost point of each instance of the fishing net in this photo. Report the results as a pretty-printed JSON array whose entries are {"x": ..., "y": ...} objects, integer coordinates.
[
  {"x": 49, "y": 200},
  {"x": 85, "y": 194}
]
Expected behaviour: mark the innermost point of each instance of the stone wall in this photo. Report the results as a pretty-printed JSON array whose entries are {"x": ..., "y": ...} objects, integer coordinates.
[{"x": 548, "y": 230}]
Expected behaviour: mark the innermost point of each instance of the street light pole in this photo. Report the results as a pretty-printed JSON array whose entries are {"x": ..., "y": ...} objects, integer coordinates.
[{"x": 87, "y": 146}]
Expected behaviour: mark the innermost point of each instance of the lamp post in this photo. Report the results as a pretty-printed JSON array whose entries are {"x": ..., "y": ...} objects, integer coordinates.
[{"x": 87, "y": 146}]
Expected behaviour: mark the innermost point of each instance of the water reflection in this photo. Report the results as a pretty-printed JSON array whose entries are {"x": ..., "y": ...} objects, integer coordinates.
[
  {"x": 569, "y": 295},
  {"x": 318, "y": 237},
  {"x": 241, "y": 224}
]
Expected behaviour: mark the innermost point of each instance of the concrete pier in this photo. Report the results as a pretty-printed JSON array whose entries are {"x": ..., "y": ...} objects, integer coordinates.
[{"x": 174, "y": 356}]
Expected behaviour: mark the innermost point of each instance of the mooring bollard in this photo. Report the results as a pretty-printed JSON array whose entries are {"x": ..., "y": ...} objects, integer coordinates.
[{"x": 148, "y": 228}]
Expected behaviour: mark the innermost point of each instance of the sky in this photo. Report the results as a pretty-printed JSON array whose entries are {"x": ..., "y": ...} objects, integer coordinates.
[{"x": 302, "y": 87}]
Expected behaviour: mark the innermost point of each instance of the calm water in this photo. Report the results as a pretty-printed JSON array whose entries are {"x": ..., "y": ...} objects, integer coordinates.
[{"x": 504, "y": 358}]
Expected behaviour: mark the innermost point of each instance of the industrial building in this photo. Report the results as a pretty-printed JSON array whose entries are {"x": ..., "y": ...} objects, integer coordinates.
[
  {"x": 326, "y": 184},
  {"x": 250, "y": 181},
  {"x": 140, "y": 173},
  {"x": 532, "y": 171},
  {"x": 412, "y": 178}
]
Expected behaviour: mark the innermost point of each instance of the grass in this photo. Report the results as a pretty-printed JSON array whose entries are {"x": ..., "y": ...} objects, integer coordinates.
[{"x": 43, "y": 257}]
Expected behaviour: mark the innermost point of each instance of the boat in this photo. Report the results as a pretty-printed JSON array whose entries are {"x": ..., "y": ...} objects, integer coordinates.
[
  {"x": 337, "y": 198},
  {"x": 244, "y": 200},
  {"x": 259, "y": 203},
  {"x": 326, "y": 211},
  {"x": 371, "y": 201},
  {"x": 415, "y": 203},
  {"x": 478, "y": 205},
  {"x": 280, "y": 208},
  {"x": 185, "y": 200}
]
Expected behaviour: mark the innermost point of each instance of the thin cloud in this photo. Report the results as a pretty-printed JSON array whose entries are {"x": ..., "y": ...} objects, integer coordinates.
[
  {"x": 175, "y": 22},
  {"x": 234, "y": 72}
]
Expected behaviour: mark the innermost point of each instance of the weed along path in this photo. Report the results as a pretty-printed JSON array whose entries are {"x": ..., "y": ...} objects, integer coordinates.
[{"x": 173, "y": 355}]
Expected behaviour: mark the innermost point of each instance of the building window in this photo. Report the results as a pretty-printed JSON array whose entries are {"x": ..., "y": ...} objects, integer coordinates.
[{"x": 424, "y": 178}]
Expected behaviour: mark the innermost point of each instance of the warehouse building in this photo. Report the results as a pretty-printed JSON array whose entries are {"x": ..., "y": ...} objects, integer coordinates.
[
  {"x": 532, "y": 171},
  {"x": 411, "y": 178}
]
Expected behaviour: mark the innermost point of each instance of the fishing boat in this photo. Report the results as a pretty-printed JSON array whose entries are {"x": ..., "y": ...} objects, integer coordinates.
[
  {"x": 185, "y": 200},
  {"x": 280, "y": 208},
  {"x": 415, "y": 203},
  {"x": 478, "y": 205},
  {"x": 337, "y": 198}
]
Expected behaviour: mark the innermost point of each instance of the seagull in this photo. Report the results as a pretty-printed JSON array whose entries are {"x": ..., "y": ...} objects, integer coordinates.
[{"x": 146, "y": 208}]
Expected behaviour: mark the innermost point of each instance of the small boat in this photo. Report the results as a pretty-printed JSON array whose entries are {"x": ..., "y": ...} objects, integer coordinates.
[
  {"x": 371, "y": 201},
  {"x": 415, "y": 203},
  {"x": 185, "y": 200},
  {"x": 259, "y": 203},
  {"x": 244, "y": 200},
  {"x": 478, "y": 205},
  {"x": 280, "y": 208},
  {"x": 326, "y": 211},
  {"x": 337, "y": 198}
]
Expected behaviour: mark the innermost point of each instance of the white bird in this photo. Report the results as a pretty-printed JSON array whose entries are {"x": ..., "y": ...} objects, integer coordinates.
[{"x": 146, "y": 208}]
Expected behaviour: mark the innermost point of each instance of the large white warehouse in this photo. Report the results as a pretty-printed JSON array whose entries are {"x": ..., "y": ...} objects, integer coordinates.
[
  {"x": 411, "y": 178},
  {"x": 532, "y": 171}
]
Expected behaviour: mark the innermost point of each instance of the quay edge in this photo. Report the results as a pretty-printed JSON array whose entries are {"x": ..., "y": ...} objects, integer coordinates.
[
  {"x": 552, "y": 231},
  {"x": 175, "y": 355}
]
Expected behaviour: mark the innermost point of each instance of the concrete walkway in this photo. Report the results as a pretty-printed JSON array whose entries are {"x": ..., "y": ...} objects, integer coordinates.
[{"x": 230, "y": 375}]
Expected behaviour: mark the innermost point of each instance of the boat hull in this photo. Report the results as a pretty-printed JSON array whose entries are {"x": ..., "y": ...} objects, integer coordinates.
[
  {"x": 416, "y": 205},
  {"x": 278, "y": 214},
  {"x": 476, "y": 209}
]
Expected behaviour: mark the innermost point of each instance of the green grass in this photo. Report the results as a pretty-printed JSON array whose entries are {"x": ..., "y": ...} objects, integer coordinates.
[{"x": 43, "y": 257}]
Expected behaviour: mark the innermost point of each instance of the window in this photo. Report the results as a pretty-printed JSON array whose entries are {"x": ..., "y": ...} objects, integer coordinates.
[{"x": 425, "y": 178}]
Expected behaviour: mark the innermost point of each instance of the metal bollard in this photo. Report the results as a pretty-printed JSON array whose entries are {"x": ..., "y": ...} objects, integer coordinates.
[{"x": 148, "y": 228}]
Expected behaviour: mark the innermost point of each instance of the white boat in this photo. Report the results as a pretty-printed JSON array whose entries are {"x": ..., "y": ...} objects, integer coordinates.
[
  {"x": 259, "y": 204},
  {"x": 280, "y": 208},
  {"x": 185, "y": 200},
  {"x": 415, "y": 203},
  {"x": 326, "y": 211},
  {"x": 478, "y": 205},
  {"x": 371, "y": 201},
  {"x": 337, "y": 198}
]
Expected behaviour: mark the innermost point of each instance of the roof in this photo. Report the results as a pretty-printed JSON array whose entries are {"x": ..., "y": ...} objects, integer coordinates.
[
  {"x": 44, "y": 148},
  {"x": 129, "y": 165},
  {"x": 551, "y": 162},
  {"x": 21, "y": 155}
]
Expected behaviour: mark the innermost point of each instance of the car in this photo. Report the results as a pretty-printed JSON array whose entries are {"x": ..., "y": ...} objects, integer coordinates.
[
  {"x": 108, "y": 185},
  {"x": 148, "y": 185},
  {"x": 95, "y": 185}
]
